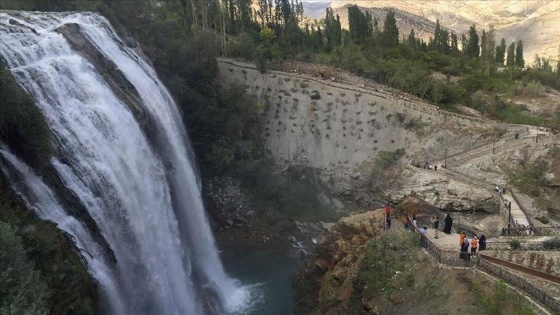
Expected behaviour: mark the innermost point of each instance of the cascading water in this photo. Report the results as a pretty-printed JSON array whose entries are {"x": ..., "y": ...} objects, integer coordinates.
[{"x": 144, "y": 198}]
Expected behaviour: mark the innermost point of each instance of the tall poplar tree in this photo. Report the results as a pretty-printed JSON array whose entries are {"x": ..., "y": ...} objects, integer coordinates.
[
  {"x": 390, "y": 33},
  {"x": 510, "y": 60},
  {"x": 519, "y": 61},
  {"x": 473, "y": 49},
  {"x": 501, "y": 53}
]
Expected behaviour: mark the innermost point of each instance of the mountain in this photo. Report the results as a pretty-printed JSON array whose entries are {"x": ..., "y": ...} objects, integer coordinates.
[
  {"x": 535, "y": 22},
  {"x": 315, "y": 10}
]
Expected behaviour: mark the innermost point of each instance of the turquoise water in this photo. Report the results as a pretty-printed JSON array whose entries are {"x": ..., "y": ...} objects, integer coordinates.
[{"x": 269, "y": 274}]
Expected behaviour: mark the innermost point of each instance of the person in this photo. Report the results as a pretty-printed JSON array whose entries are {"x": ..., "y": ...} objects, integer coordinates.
[
  {"x": 465, "y": 249},
  {"x": 482, "y": 243},
  {"x": 448, "y": 224},
  {"x": 462, "y": 237},
  {"x": 414, "y": 217},
  {"x": 388, "y": 223},
  {"x": 474, "y": 245},
  {"x": 435, "y": 167},
  {"x": 435, "y": 220},
  {"x": 406, "y": 223},
  {"x": 424, "y": 231},
  {"x": 387, "y": 210},
  {"x": 516, "y": 135}
]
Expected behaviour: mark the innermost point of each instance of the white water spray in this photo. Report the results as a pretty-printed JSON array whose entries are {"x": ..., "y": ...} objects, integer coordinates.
[{"x": 148, "y": 211}]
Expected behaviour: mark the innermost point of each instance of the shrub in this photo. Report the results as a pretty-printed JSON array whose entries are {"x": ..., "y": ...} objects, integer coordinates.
[
  {"x": 515, "y": 244},
  {"x": 315, "y": 95}
]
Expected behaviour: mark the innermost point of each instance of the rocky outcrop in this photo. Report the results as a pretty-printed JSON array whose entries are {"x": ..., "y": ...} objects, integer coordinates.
[
  {"x": 339, "y": 254},
  {"x": 227, "y": 204}
]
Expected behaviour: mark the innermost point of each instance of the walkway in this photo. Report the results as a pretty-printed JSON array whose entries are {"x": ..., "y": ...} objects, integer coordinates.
[{"x": 527, "y": 135}]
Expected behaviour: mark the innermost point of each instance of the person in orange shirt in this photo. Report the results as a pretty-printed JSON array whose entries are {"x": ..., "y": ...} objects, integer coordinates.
[
  {"x": 462, "y": 238},
  {"x": 474, "y": 245}
]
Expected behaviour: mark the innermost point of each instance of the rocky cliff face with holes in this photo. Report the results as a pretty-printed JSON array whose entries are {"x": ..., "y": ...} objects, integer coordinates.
[{"x": 340, "y": 129}]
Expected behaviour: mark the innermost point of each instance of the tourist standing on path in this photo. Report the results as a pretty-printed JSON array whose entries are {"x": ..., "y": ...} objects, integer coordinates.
[
  {"x": 462, "y": 237},
  {"x": 474, "y": 245},
  {"x": 465, "y": 249},
  {"x": 414, "y": 217},
  {"x": 482, "y": 243},
  {"x": 448, "y": 224},
  {"x": 435, "y": 221},
  {"x": 424, "y": 231}
]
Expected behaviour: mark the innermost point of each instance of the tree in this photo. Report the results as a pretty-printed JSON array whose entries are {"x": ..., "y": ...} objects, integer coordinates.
[
  {"x": 411, "y": 40},
  {"x": 501, "y": 53},
  {"x": 359, "y": 24},
  {"x": 519, "y": 61},
  {"x": 489, "y": 44},
  {"x": 22, "y": 288},
  {"x": 454, "y": 43},
  {"x": 473, "y": 49},
  {"x": 333, "y": 30},
  {"x": 390, "y": 33},
  {"x": 510, "y": 60}
]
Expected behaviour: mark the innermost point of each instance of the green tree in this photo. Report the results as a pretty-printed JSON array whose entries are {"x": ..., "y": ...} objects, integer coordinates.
[
  {"x": 472, "y": 43},
  {"x": 333, "y": 30},
  {"x": 510, "y": 60},
  {"x": 519, "y": 60},
  {"x": 501, "y": 53},
  {"x": 359, "y": 24},
  {"x": 22, "y": 288},
  {"x": 390, "y": 31}
]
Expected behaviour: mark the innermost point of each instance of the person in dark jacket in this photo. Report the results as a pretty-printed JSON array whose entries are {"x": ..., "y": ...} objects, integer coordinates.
[
  {"x": 448, "y": 224},
  {"x": 482, "y": 243}
]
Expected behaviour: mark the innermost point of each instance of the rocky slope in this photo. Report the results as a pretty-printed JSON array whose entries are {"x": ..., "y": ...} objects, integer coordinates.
[
  {"x": 536, "y": 22},
  {"x": 359, "y": 269}
]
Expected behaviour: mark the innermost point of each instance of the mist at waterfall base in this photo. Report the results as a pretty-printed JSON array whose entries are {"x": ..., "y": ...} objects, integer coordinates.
[{"x": 144, "y": 198}]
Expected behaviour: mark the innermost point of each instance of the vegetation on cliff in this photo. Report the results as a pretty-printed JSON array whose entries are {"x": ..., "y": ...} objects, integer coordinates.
[
  {"x": 41, "y": 273},
  {"x": 362, "y": 270},
  {"x": 22, "y": 125}
]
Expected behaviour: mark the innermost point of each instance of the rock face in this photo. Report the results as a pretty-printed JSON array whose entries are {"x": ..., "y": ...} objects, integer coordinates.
[
  {"x": 228, "y": 205},
  {"x": 338, "y": 130},
  {"x": 339, "y": 255}
]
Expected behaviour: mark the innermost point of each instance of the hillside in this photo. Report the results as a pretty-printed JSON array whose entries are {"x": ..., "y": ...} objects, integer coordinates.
[{"x": 536, "y": 23}]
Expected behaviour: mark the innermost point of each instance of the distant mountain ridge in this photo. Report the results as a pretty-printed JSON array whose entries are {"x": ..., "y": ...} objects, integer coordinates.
[{"x": 535, "y": 22}]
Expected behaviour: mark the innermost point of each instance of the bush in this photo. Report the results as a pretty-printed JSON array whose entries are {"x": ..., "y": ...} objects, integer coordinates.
[
  {"x": 315, "y": 95},
  {"x": 515, "y": 244},
  {"x": 552, "y": 244}
]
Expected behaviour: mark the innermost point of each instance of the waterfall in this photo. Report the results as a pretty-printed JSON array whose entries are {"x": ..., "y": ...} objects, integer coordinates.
[{"x": 142, "y": 194}]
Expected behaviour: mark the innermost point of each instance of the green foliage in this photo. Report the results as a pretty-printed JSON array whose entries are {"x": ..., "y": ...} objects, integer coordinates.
[
  {"x": 515, "y": 244},
  {"x": 49, "y": 270},
  {"x": 315, "y": 95},
  {"x": 501, "y": 300},
  {"x": 291, "y": 195},
  {"x": 22, "y": 125},
  {"x": 22, "y": 288},
  {"x": 551, "y": 244},
  {"x": 383, "y": 259}
]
